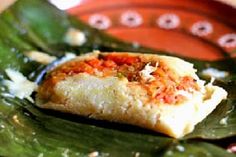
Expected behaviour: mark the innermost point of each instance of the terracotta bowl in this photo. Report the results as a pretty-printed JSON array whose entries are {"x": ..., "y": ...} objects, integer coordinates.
[{"x": 203, "y": 29}]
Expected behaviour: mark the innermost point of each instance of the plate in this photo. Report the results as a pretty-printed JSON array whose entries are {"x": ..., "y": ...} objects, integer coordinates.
[{"x": 204, "y": 29}]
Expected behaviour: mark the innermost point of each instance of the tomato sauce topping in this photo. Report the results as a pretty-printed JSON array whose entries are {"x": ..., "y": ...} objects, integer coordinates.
[{"x": 162, "y": 89}]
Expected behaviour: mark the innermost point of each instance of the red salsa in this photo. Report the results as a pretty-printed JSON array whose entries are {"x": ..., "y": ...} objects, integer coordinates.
[{"x": 162, "y": 89}]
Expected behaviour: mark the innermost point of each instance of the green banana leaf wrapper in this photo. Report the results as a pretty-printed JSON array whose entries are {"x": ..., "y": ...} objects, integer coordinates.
[{"x": 26, "y": 130}]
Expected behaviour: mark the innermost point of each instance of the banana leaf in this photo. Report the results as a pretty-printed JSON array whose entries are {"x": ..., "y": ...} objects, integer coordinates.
[{"x": 26, "y": 130}]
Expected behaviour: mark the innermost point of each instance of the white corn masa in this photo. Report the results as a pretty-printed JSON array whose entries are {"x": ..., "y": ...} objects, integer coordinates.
[{"x": 116, "y": 99}]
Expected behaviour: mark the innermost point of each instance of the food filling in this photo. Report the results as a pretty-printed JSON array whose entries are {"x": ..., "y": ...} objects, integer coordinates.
[{"x": 162, "y": 84}]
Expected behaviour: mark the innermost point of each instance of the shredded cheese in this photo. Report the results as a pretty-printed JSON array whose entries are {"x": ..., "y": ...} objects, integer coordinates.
[
  {"x": 93, "y": 154},
  {"x": 224, "y": 120},
  {"x": 40, "y": 57},
  {"x": 212, "y": 72},
  {"x": 19, "y": 86},
  {"x": 137, "y": 154},
  {"x": 185, "y": 94},
  {"x": 75, "y": 37},
  {"x": 180, "y": 148},
  {"x": 146, "y": 72},
  {"x": 68, "y": 56}
]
